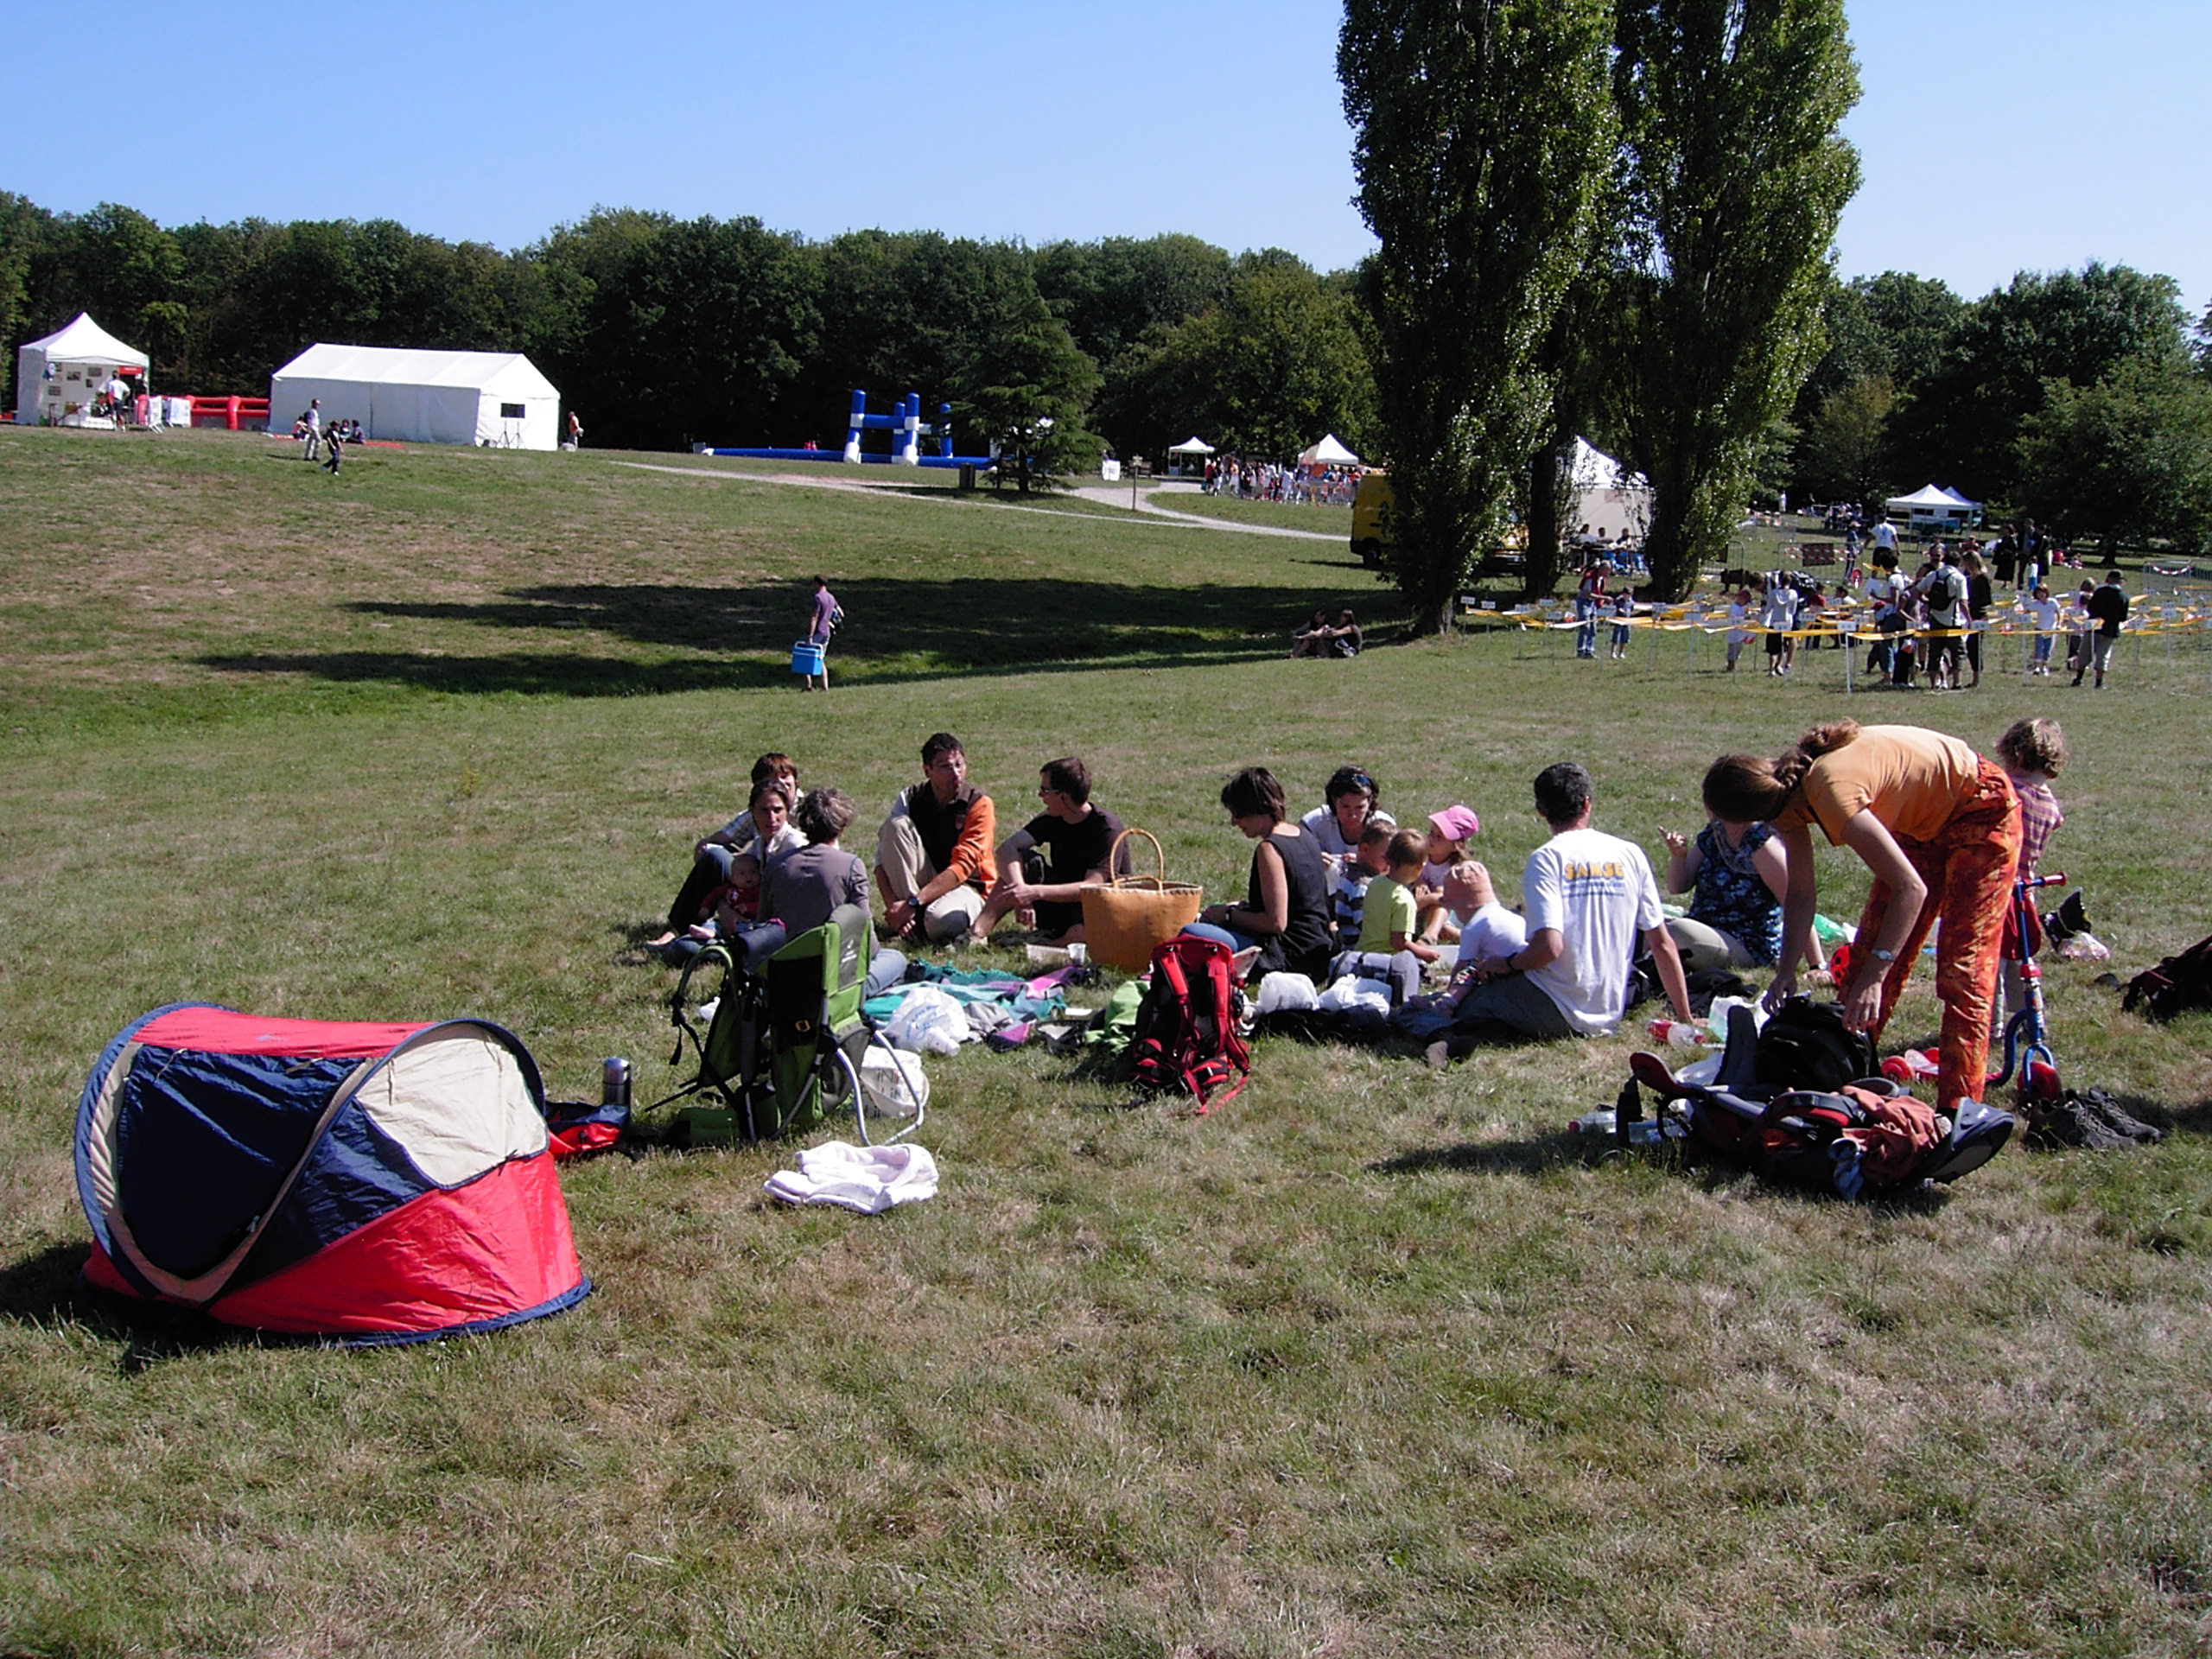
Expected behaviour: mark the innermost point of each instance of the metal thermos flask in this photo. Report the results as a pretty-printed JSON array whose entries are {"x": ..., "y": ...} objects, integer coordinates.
[{"x": 614, "y": 1082}]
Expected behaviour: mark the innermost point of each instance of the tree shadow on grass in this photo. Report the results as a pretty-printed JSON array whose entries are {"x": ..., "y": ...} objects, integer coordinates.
[
  {"x": 44, "y": 1290},
  {"x": 899, "y": 631}
]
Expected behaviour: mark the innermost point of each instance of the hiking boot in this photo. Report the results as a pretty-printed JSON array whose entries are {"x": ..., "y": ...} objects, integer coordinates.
[
  {"x": 2068, "y": 920},
  {"x": 2067, "y": 1122},
  {"x": 2118, "y": 1119}
]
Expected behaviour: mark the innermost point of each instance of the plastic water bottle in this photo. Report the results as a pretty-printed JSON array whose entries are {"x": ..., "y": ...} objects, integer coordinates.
[
  {"x": 1680, "y": 1034},
  {"x": 1597, "y": 1122}
]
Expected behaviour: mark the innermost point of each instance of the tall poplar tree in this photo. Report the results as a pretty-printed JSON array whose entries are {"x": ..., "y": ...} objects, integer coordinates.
[
  {"x": 1482, "y": 131},
  {"x": 1733, "y": 178}
]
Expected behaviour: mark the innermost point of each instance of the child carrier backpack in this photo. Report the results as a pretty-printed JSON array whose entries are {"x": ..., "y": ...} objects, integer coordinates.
[
  {"x": 1186, "y": 1039},
  {"x": 1806, "y": 1045},
  {"x": 2174, "y": 986}
]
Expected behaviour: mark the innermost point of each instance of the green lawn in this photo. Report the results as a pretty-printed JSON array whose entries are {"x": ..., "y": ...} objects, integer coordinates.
[{"x": 1372, "y": 1360}]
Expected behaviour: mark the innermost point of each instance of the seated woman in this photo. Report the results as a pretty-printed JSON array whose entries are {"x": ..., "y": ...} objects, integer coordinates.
[
  {"x": 1283, "y": 923},
  {"x": 1352, "y": 801},
  {"x": 711, "y": 858},
  {"x": 803, "y": 887},
  {"x": 1741, "y": 878},
  {"x": 1311, "y": 638}
]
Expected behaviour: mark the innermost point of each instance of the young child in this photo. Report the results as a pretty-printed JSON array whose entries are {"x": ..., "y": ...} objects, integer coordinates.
[
  {"x": 1449, "y": 832},
  {"x": 2043, "y": 616},
  {"x": 1739, "y": 613},
  {"x": 736, "y": 905},
  {"x": 1623, "y": 609},
  {"x": 1387, "y": 922},
  {"x": 1348, "y": 891},
  {"x": 2032, "y": 752}
]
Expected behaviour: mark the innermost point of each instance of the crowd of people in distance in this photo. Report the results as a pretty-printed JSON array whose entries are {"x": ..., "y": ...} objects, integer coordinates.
[
  {"x": 1344, "y": 892},
  {"x": 1267, "y": 480},
  {"x": 318, "y": 439}
]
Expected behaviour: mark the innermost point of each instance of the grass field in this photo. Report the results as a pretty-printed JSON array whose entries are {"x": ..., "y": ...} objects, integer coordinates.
[{"x": 1373, "y": 1361}]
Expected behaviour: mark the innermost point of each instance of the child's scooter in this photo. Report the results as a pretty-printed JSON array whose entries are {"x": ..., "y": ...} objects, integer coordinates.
[{"x": 2027, "y": 1037}]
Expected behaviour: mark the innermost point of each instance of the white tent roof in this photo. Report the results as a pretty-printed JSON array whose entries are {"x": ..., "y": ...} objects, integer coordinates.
[
  {"x": 1940, "y": 501},
  {"x": 507, "y": 372},
  {"x": 1192, "y": 445},
  {"x": 1327, "y": 453},
  {"x": 1596, "y": 470},
  {"x": 85, "y": 341}
]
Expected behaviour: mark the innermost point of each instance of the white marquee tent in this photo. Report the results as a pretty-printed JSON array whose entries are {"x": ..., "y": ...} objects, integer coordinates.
[
  {"x": 1606, "y": 497},
  {"x": 1934, "y": 507},
  {"x": 1327, "y": 453},
  {"x": 68, "y": 367},
  {"x": 420, "y": 397}
]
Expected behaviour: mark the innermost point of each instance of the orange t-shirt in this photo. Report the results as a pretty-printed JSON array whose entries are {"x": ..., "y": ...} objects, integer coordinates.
[{"x": 1910, "y": 778}]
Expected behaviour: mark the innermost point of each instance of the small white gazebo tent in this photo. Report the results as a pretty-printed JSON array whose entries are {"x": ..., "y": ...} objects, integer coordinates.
[
  {"x": 1327, "y": 453},
  {"x": 1934, "y": 508},
  {"x": 59, "y": 376},
  {"x": 422, "y": 397},
  {"x": 1191, "y": 446}
]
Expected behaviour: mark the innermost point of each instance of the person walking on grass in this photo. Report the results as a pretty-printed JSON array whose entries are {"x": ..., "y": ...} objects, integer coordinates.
[
  {"x": 2107, "y": 608},
  {"x": 823, "y": 616}
]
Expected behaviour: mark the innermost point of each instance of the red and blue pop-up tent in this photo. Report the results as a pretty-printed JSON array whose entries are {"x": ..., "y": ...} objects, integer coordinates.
[{"x": 375, "y": 1183}]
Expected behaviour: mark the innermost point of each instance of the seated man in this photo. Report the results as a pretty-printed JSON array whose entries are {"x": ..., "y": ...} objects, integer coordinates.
[
  {"x": 1589, "y": 896},
  {"x": 933, "y": 851},
  {"x": 1044, "y": 865}
]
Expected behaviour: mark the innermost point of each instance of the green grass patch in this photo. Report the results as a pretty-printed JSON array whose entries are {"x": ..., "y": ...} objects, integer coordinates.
[{"x": 1371, "y": 1361}]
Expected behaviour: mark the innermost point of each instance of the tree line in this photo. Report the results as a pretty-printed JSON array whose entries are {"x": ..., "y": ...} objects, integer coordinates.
[
  {"x": 663, "y": 331},
  {"x": 1621, "y": 274}
]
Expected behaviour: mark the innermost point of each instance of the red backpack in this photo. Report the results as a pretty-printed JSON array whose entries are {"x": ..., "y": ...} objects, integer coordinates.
[{"x": 1186, "y": 1039}]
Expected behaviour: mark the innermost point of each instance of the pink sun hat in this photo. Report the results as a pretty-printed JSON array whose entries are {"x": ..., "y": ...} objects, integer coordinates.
[{"x": 1455, "y": 822}]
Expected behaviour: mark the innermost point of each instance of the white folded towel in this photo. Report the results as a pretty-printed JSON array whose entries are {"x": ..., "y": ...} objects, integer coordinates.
[{"x": 867, "y": 1179}]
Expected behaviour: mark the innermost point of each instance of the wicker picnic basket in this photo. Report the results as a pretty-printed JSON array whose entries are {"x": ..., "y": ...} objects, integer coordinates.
[{"x": 1125, "y": 918}]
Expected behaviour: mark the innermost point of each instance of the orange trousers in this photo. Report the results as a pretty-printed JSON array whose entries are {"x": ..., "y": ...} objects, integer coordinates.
[{"x": 1968, "y": 866}]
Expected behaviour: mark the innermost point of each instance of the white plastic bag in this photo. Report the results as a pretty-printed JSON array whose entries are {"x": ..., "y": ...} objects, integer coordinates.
[
  {"x": 1286, "y": 990},
  {"x": 928, "y": 1022},
  {"x": 893, "y": 1082}
]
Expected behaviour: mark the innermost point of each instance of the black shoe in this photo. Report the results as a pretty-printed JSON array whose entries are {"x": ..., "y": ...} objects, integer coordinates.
[
  {"x": 2119, "y": 1119},
  {"x": 2070, "y": 918},
  {"x": 2067, "y": 1122}
]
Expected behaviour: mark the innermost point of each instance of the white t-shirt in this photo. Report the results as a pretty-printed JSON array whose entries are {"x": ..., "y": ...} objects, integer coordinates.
[
  {"x": 1493, "y": 931},
  {"x": 1885, "y": 535},
  {"x": 2044, "y": 613},
  {"x": 1780, "y": 609},
  {"x": 1321, "y": 824},
  {"x": 1597, "y": 891}
]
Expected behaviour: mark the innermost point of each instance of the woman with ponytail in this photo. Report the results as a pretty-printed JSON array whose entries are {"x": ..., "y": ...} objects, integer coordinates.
[{"x": 1938, "y": 827}]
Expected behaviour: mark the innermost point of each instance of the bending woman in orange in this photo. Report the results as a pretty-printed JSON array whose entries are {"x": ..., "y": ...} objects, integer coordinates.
[{"x": 1939, "y": 828}]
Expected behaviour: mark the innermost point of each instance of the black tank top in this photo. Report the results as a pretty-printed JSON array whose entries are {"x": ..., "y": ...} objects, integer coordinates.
[{"x": 1304, "y": 946}]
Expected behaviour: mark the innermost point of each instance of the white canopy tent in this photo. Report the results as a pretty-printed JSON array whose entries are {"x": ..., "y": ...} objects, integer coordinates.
[
  {"x": 1327, "y": 453},
  {"x": 1933, "y": 507},
  {"x": 1191, "y": 446},
  {"x": 1608, "y": 499},
  {"x": 422, "y": 397},
  {"x": 58, "y": 377}
]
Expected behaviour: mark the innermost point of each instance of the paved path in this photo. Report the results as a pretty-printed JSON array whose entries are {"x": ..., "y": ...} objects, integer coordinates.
[
  {"x": 1108, "y": 495},
  {"x": 1117, "y": 495}
]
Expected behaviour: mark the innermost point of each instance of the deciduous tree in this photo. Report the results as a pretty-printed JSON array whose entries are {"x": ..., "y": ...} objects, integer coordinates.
[
  {"x": 1734, "y": 176},
  {"x": 1481, "y": 130}
]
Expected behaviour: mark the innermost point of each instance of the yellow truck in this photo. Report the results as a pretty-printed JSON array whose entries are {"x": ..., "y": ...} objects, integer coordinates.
[{"x": 1372, "y": 539}]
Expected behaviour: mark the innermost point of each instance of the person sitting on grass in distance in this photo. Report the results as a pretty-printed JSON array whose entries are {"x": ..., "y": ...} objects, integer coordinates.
[
  {"x": 1350, "y": 802},
  {"x": 1311, "y": 638},
  {"x": 1044, "y": 865},
  {"x": 1354, "y": 878},
  {"x": 710, "y": 859},
  {"x": 1283, "y": 923},
  {"x": 1449, "y": 832},
  {"x": 1590, "y": 897},
  {"x": 1344, "y": 639},
  {"x": 933, "y": 852}
]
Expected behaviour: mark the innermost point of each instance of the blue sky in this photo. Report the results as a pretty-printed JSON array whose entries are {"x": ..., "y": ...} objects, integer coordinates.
[{"x": 1994, "y": 137}]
